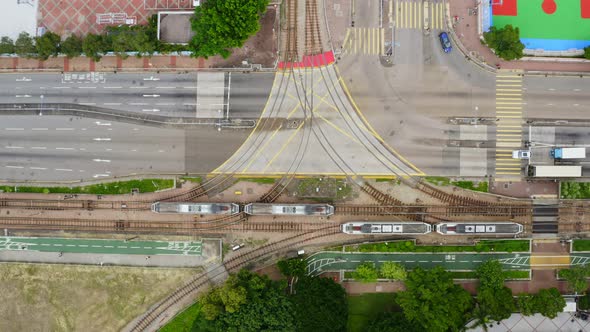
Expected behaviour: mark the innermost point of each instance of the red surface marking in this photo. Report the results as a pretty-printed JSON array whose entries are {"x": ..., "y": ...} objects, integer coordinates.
[
  {"x": 585, "y": 8},
  {"x": 507, "y": 8},
  {"x": 14, "y": 63},
  {"x": 66, "y": 64},
  {"x": 40, "y": 64},
  {"x": 92, "y": 65},
  {"x": 146, "y": 63},
  {"x": 173, "y": 61},
  {"x": 201, "y": 63},
  {"x": 549, "y": 6},
  {"x": 119, "y": 62}
]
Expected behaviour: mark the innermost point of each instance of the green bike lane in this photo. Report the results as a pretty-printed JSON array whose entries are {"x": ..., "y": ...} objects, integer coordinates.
[
  {"x": 99, "y": 246},
  {"x": 336, "y": 260}
]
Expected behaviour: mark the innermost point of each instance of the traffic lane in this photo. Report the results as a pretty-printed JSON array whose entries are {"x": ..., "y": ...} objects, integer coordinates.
[
  {"x": 248, "y": 94},
  {"x": 548, "y": 96},
  {"x": 366, "y": 14},
  {"x": 449, "y": 261}
]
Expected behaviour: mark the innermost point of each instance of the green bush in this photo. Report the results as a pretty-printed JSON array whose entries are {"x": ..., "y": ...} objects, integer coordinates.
[{"x": 505, "y": 42}]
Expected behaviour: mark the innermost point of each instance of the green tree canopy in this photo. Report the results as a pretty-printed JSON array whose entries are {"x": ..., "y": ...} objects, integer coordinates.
[
  {"x": 366, "y": 272},
  {"x": 320, "y": 304},
  {"x": 6, "y": 45},
  {"x": 490, "y": 275},
  {"x": 548, "y": 302},
  {"x": 47, "y": 45},
  {"x": 392, "y": 322},
  {"x": 250, "y": 303},
  {"x": 505, "y": 42},
  {"x": 94, "y": 46},
  {"x": 72, "y": 46},
  {"x": 24, "y": 45},
  {"x": 392, "y": 270},
  {"x": 433, "y": 302},
  {"x": 525, "y": 304},
  {"x": 576, "y": 278},
  {"x": 292, "y": 267},
  {"x": 130, "y": 39},
  {"x": 498, "y": 304},
  {"x": 221, "y": 25}
]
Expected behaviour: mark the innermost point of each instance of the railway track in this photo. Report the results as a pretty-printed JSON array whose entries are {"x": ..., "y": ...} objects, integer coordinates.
[
  {"x": 204, "y": 280},
  {"x": 32, "y": 204},
  {"x": 291, "y": 53},
  {"x": 275, "y": 192},
  {"x": 433, "y": 210},
  {"x": 313, "y": 42}
]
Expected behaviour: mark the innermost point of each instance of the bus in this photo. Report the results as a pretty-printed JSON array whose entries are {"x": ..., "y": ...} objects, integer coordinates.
[{"x": 555, "y": 171}]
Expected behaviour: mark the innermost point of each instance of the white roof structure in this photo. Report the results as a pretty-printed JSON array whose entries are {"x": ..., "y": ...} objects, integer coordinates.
[{"x": 18, "y": 17}]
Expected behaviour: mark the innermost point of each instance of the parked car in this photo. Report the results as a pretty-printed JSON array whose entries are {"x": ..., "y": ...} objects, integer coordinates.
[
  {"x": 445, "y": 42},
  {"x": 521, "y": 154}
]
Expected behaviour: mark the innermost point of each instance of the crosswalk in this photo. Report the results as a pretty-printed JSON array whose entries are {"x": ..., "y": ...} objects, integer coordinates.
[
  {"x": 419, "y": 15},
  {"x": 364, "y": 41},
  {"x": 508, "y": 123}
]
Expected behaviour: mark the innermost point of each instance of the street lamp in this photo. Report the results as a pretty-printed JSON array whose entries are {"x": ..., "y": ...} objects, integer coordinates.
[{"x": 41, "y": 112}]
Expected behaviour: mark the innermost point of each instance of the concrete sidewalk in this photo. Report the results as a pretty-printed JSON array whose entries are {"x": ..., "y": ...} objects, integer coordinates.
[{"x": 466, "y": 30}]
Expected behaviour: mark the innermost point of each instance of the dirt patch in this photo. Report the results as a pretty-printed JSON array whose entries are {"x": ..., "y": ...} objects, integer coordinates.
[
  {"x": 80, "y": 298},
  {"x": 260, "y": 49}
]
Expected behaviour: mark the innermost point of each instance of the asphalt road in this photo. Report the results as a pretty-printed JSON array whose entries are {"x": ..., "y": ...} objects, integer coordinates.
[
  {"x": 64, "y": 148},
  {"x": 171, "y": 94}
]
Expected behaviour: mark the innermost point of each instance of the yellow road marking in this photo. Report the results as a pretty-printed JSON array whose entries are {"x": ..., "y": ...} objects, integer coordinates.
[
  {"x": 549, "y": 260},
  {"x": 507, "y": 173},
  {"x": 284, "y": 146},
  {"x": 508, "y": 107},
  {"x": 508, "y": 85}
]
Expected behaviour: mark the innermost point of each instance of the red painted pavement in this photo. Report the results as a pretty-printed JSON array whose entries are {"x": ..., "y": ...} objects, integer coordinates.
[
  {"x": 92, "y": 65},
  {"x": 146, "y": 63},
  {"x": 40, "y": 66},
  {"x": 119, "y": 63},
  {"x": 549, "y": 6},
  {"x": 310, "y": 61},
  {"x": 201, "y": 63},
  {"x": 173, "y": 61},
  {"x": 507, "y": 8},
  {"x": 14, "y": 63},
  {"x": 66, "y": 64}
]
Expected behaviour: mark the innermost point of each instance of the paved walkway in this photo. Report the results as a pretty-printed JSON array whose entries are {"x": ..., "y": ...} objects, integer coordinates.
[{"x": 466, "y": 29}]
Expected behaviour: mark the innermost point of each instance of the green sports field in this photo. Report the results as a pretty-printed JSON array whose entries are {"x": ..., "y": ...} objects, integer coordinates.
[{"x": 565, "y": 24}]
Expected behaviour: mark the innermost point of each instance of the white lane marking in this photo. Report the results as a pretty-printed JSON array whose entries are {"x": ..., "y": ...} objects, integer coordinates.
[
  {"x": 101, "y": 139},
  {"x": 63, "y": 169},
  {"x": 160, "y": 151},
  {"x": 14, "y": 128},
  {"x": 24, "y": 79},
  {"x": 38, "y": 168},
  {"x": 83, "y": 129},
  {"x": 61, "y": 87},
  {"x": 64, "y": 128},
  {"x": 87, "y": 104},
  {"x": 137, "y": 104},
  {"x": 135, "y": 129},
  {"x": 410, "y": 261},
  {"x": 551, "y": 89},
  {"x": 576, "y": 104},
  {"x": 99, "y": 175},
  {"x": 134, "y": 150},
  {"x": 86, "y": 87},
  {"x": 98, "y": 123},
  {"x": 81, "y": 171},
  {"x": 437, "y": 261},
  {"x": 151, "y": 96},
  {"x": 82, "y": 149},
  {"x": 23, "y": 96},
  {"x": 13, "y": 147},
  {"x": 151, "y": 78},
  {"x": 165, "y": 87},
  {"x": 189, "y": 104},
  {"x": 190, "y": 87},
  {"x": 463, "y": 261},
  {"x": 150, "y": 110},
  {"x": 101, "y": 160},
  {"x": 40, "y": 128},
  {"x": 165, "y": 104},
  {"x": 68, "y": 149},
  {"x": 113, "y": 87},
  {"x": 108, "y": 149},
  {"x": 9, "y": 166},
  {"x": 112, "y": 104},
  {"x": 140, "y": 87},
  {"x": 39, "y": 148},
  {"x": 477, "y": 261},
  {"x": 576, "y": 90}
]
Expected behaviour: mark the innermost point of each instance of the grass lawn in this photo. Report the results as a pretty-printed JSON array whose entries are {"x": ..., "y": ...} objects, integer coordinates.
[
  {"x": 581, "y": 245},
  {"x": 195, "y": 179},
  {"x": 324, "y": 189},
  {"x": 80, "y": 297},
  {"x": 184, "y": 322},
  {"x": 111, "y": 188},
  {"x": 362, "y": 309},
  {"x": 438, "y": 180},
  {"x": 481, "y": 186},
  {"x": 259, "y": 180},
  {"x": 409, "y": 246},
  {"x": 517, "y": 274}
]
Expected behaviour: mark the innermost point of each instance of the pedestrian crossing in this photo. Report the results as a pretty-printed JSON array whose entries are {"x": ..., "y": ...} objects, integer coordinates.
[
  {"x": 508, "y": 124},
  {"x": 363, "y": 41},
  {"x": 419, "y": 15}
]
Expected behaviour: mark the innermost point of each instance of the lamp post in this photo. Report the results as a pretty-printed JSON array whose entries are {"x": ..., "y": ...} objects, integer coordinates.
[{"x": 41, "y": 112}]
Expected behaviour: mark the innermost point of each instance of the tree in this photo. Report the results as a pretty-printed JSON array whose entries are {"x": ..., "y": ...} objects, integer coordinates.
[
  {"x": 94, "y": 46},
  {"x": 320, "y": 304},
  {"x": 47, "y": 45},
  {"x": 292, "y": 267},
  {"x": 392, "y": 322},
  {"x": 249, "y": 302},
  {"x": 6, "y": 45},
  {"x": 72, "y": 46},
  {"x": 576, "y": 278},
  {"x": 490, "y": 275},
  {"x": 479, "y": 319},
  {"x": 24, "y": 45},
  {"x": 433, "y": 302},
  {"x": 498, "y": 304},
  {"x": 525, "y": 304},
  {"x": 221, "y": 25},
  {"x": 587, "y": 52},
  {"x": 548, "y": 302},
  {"x": 392, "y": 270},
  {"x": 505, "y": 42},
  {"x": 130, "y": 39},
  {"x": 366, "y": 272}
]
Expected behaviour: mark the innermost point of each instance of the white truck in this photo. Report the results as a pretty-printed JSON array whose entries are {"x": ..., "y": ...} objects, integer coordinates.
[{"x": 568, "y": 153}]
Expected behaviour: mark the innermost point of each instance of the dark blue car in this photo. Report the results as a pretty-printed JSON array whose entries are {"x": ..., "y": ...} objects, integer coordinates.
[{"x": 445, "y": 42}]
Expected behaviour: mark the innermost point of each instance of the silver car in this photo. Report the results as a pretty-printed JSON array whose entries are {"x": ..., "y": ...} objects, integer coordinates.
[{"x": 521, "y": 154}]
